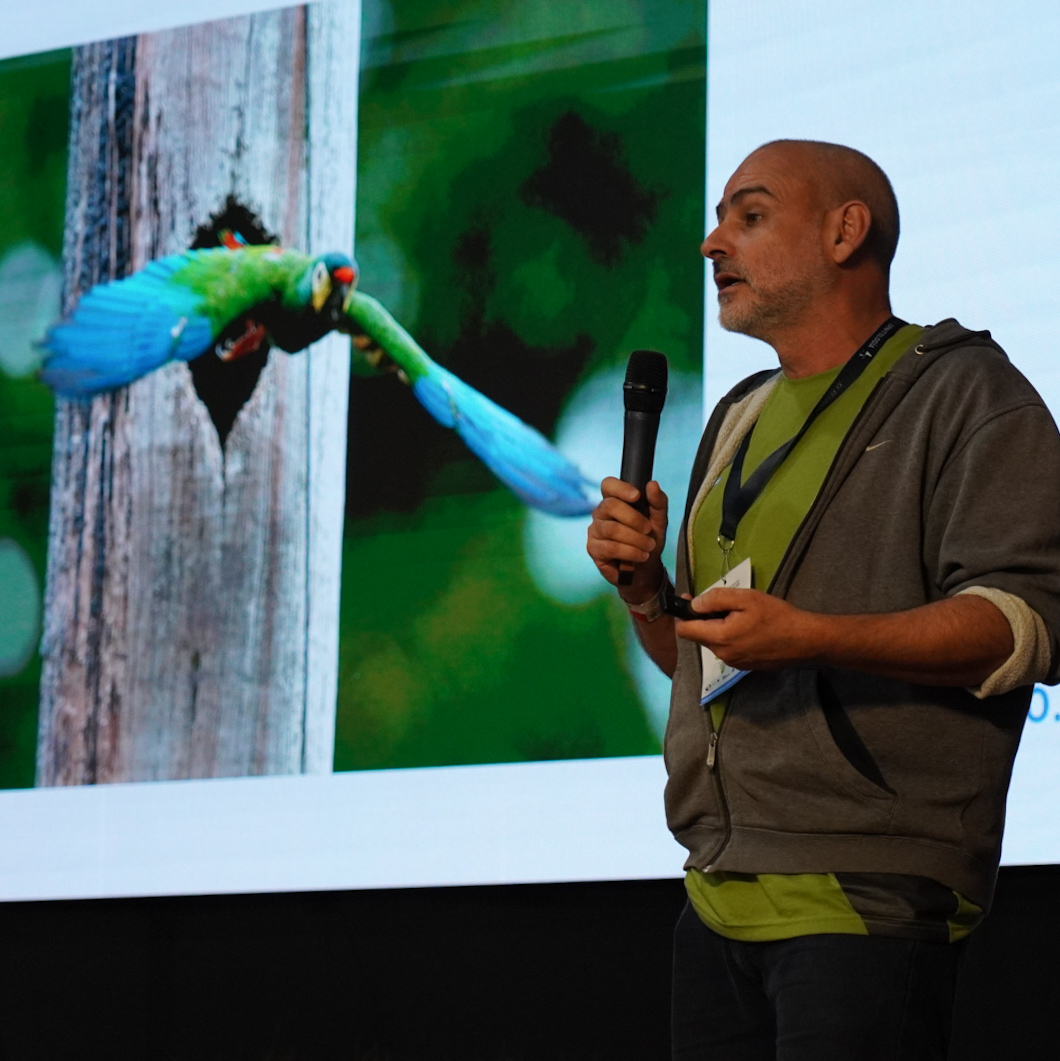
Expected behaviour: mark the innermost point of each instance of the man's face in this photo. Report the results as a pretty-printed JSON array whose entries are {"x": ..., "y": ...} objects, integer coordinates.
[{"x": 767, "y": 249}]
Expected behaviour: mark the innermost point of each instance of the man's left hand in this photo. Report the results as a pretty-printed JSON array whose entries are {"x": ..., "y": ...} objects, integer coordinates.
[{"x": 759, "y": 632}]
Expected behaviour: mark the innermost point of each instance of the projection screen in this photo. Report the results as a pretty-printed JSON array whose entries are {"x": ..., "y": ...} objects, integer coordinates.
[{"x": 334, "y": 651}]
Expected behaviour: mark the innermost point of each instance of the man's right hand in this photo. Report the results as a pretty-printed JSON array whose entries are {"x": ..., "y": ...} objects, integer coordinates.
[{"x": 619, "y": 533}]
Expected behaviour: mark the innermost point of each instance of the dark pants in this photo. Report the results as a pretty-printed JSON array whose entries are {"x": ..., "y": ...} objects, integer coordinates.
[{"x": 826, "y": 997}]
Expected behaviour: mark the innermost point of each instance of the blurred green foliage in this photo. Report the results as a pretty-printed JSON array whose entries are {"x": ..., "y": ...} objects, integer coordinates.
[
  {"x": 34, "y": 108},
  {"x": 449, "y": 655},
  {"x": 530, "y": 204}
]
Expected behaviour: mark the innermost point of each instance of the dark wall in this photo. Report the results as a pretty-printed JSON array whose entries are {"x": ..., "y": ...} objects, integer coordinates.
[
  {"x": 1007, "y": 1004},
  {"x": 527, "y": 973},
  {"x": 575, "y": 971}
]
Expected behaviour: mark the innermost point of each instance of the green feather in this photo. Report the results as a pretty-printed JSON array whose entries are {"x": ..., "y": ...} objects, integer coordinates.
[
  {"x": 368, "y": 316},
  {"x": 231, "y": 282}
]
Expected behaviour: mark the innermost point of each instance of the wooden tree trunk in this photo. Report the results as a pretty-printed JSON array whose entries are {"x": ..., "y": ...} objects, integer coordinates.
[{"x": 191, "y": 624}]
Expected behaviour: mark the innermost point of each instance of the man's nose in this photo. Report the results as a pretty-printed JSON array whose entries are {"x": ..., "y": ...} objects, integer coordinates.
[{"x": 713, "y": 244}]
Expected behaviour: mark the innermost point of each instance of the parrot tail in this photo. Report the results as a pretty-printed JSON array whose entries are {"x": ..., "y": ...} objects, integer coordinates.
[
  {"x": 122, "y": 330},
  {"x": 521, "y": 457}
]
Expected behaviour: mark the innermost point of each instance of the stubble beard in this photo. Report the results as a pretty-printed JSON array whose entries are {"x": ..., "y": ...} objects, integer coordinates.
[{"x": 775, "y": 305}]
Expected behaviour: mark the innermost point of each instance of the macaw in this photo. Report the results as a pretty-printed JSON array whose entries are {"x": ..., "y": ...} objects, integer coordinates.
[{"x": 233, "y": 299}]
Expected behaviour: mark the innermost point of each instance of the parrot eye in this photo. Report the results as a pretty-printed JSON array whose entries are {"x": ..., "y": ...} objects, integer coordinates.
[{"x": 320, "y": 272}]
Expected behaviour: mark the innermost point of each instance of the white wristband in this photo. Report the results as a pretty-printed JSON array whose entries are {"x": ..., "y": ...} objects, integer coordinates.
[{"x": 651, "y": 609}]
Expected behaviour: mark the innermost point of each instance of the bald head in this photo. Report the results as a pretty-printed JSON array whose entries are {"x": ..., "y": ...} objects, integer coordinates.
[{"x": 840, "y": 174}]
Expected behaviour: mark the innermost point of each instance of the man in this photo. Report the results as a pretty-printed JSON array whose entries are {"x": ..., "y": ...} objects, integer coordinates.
[{"x": 843, "y": 802}]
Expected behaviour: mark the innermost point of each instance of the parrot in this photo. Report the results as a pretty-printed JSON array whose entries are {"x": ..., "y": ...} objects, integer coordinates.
[{"x": 236, "y": 298}]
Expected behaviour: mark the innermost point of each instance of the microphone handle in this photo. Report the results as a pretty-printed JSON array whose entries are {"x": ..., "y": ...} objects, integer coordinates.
[{"x": 638, "y": 456}]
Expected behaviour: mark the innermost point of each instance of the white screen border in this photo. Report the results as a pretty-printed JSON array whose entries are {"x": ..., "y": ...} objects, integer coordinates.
[{"x": 602, "y": 819}]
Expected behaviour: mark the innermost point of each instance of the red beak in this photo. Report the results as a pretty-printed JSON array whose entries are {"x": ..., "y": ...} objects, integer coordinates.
[{"x": 344, "y": 274}]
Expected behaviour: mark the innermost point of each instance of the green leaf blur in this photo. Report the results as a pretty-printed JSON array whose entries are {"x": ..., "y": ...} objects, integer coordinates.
[
  {"x": 529, "y": 205},
  {"x": 34, "y": 106}
]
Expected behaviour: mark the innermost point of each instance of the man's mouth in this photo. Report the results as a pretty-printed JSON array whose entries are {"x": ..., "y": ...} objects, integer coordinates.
[{"x": 726, "y": 280}]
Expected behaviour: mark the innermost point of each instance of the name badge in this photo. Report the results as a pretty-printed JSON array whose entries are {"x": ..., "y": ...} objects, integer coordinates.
[{"x": 718, "y": 677}]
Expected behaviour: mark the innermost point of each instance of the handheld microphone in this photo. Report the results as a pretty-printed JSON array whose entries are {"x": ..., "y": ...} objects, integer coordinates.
[{"x": 643, "y": 393}]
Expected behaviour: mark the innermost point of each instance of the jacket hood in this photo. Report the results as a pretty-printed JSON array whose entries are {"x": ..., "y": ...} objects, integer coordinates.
[{"x": 949, "y": 332}]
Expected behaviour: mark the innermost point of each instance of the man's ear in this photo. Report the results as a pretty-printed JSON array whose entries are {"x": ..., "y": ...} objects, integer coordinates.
[{"x": 848, "y": 227}]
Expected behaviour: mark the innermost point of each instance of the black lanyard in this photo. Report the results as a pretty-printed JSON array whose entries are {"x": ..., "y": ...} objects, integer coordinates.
[{"x": 739, "y": 497}]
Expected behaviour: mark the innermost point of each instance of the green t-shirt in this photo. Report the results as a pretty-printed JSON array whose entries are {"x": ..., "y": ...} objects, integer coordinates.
[{"x": 778, "y": 906}]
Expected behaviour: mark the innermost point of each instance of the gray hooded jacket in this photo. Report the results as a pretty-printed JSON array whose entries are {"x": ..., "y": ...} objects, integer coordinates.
[{"x": 949, "y": 478}]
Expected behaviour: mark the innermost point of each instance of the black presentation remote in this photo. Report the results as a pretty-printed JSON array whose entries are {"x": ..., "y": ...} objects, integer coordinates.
[{"x": 680, "y": 608}]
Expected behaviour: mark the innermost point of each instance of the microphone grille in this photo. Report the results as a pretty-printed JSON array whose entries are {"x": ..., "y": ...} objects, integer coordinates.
[{"x": 645, "y": 388}]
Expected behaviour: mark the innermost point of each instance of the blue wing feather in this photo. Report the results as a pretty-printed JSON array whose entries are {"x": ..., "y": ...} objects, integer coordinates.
[
  {"x": 521, "y": 457},
  {"x": 123, "y": 330}
]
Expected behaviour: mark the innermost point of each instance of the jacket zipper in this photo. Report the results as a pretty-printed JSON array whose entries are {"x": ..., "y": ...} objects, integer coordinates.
[
  {"x": 712, "y": 753},
  {"x": 712, "y": 766}
]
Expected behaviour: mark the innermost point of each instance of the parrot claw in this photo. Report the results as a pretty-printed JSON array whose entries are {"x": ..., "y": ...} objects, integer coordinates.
[
  {"x": 372, "y": 355},
  {"x": 251, "y": 340}
]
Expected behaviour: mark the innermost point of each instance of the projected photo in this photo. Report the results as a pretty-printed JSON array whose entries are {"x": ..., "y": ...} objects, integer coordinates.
[{"x": 227, "y": 554}]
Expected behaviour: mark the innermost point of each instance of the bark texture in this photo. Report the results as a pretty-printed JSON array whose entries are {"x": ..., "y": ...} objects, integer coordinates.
[{"x": 191, "y": 625}]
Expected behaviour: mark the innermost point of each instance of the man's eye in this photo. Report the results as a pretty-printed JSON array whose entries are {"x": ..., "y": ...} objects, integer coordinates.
[{"x": 752, "y": 217}]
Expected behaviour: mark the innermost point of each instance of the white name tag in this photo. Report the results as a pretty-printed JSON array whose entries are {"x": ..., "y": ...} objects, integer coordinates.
[{"x": 718, "y": 676}]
